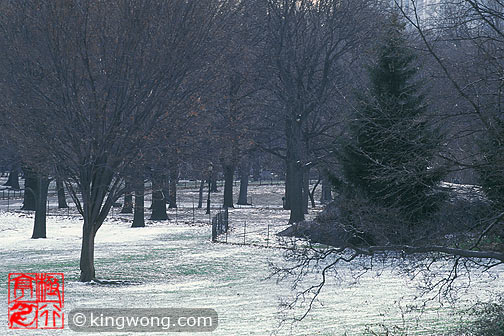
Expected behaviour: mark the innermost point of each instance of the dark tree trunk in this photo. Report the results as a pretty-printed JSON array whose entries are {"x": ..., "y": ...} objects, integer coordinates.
[
  {"x": 200, "y": 195},
  {"x": 208, "y": 197},
  {"x": 30, "y": 189},
  {"x": 97, "y": 200},
  {"x": 138, "y": 215},
  {"x": 326, "y": 190},
  {"x": 87, "y": 253},
  {"x": 256, "y": 170},
  {"x": 213, "y": 185},
  {"x": 173, "y": 186},
  {"x": 295, "y": 171},
  {"x": 228, "y": 185},
  {"x": 128, "y": 203},
  {"x": 295, "y": 192},
  {"x": 62, "y": 203},
  {"x": 286, "y": 198},
  {"x": 128, "y": 197},
  {"x": 158, "y": 199},
  {"x": 39, "y": 227},
  {"x": 166, "y": 188},
  {"x": 312, "y": 199},
  {"x": 13, "y": 180},
  {"x": 244, "y": 180},
  {"x": 312, "y": 193},
  {"x": 306, "y": 189}
]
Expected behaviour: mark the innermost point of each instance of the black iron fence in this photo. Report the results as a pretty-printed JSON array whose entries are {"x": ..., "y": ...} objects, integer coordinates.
[
  {"x": 220, "y": 224},
  {"x": 7, "y": 194},
  {"x": 259, "y": 233},
  {"x": 193, "y": 184}
]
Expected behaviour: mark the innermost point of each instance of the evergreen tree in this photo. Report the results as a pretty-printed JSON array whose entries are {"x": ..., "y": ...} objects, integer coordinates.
[
  {"x": 491, "y": 171},
  {"x": 392, "y": 146},
  {"x": 491, "y": 167}
]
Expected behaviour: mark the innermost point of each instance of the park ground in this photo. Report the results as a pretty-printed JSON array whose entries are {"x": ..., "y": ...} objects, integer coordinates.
[{"x": 174, "y": 264}]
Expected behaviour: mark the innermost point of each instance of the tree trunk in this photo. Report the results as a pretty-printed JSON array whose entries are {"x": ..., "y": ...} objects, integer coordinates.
[
  {"x": 312, "y": 193},
  {"x": 295, "y": 170},
  {"x": 213, "y": 185},
  {"x": 296, "y": 192},
  {"x": 138, "y": 215},
  {"x": 97, "y": 200},
  {"x": 173, "y": 186},
  {"x": 30, "y": 188},
  {"x": 286, "y": 198},
  {"x": 62, "y": 203},
  {"x": 306, "y": 189},
  {"x": 312, "y": 199},
  {"x": 166, "y": 188},
  {"x": 128, "y": 198},
  {"x": 228, "y": 185},
  {"x": 158, "y": 199},
  {"x": 208, "y": 197},
  {"x": 256, "y": 170},
  {"x": 13, "y": 180},
  {"x": 39, "y": 227},
  {"x": 326, "y": 190},
  {"x": 87, "y": 253},
  {"x": 244, "y": 180},
  {"x": 200, "y": 195}
]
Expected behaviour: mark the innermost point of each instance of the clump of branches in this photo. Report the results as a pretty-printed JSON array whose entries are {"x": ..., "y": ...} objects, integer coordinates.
[
  {"x": 440, "y": 256},
  {"x": 486, "y": 319}
]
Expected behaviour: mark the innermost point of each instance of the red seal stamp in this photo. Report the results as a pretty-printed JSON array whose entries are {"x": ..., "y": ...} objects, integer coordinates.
[{"x": 36, "y": 301}]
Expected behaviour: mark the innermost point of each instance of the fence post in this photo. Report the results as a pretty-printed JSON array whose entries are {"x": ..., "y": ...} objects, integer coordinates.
[
  {"x": 193, "y": 209},
  {"x": 214, "y": 230},
  {"x": 267, "y": 239},
  {"x": 227, "y": 220},
  {"x": 244, "y": 232},
  {"x": 8, "y": 204}
]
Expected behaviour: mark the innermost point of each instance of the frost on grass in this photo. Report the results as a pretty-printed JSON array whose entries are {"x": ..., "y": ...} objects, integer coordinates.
[{"x": 173, "y": 264}]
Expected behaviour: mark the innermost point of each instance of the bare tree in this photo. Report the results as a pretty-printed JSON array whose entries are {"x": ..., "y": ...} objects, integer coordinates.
[
  {"x": 306, "y": 40},
  {"x": 91, "y": 80},
  {"x": 232, "y": 99}
]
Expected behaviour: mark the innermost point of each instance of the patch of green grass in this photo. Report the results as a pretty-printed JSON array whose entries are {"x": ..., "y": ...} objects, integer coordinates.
[{"x": 201, "y": 269}]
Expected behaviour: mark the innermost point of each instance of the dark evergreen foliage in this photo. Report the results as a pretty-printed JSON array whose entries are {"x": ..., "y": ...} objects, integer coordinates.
[
  {"x": 392, "y": 145},
  {"x": 491, "y": 168}
]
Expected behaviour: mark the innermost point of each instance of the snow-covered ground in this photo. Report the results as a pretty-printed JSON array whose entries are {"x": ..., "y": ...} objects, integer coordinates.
[{"x": 175, "y": 265}]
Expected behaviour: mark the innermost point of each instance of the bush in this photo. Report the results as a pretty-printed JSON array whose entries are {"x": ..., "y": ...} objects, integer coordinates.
[
  {"x": 363, "y": 221},
  {"x": 487, "y": 319}
]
